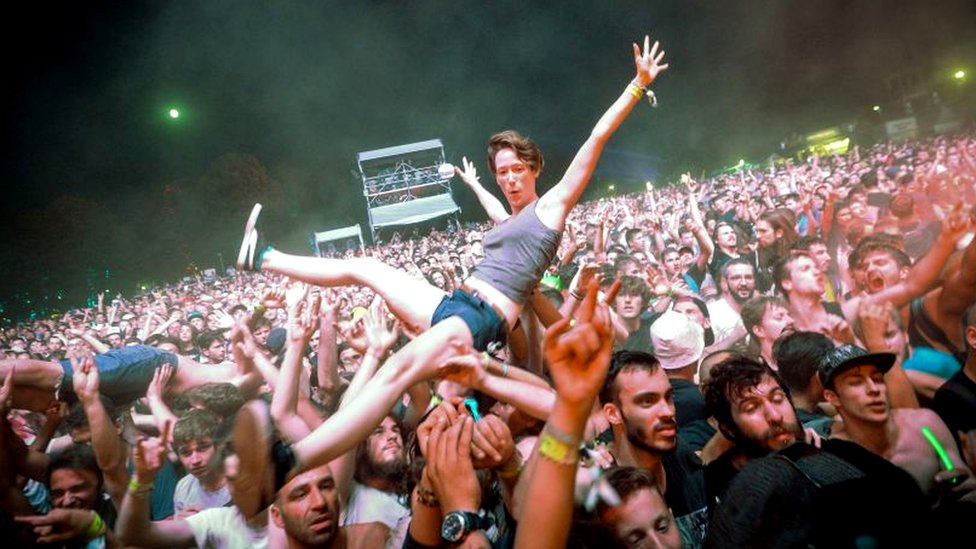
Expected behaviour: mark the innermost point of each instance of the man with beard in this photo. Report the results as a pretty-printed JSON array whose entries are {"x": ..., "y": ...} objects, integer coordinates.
[
  {"x": 803, "y": 284},
  {"x": 637, "y": 400},
  {"x": 379, "y": 494},
  {"x": 766, "y": 319},
  {"x": 738, "y": 285},
  {"x": 841, "y": 495},
  {"x": 753, "y": 410}
]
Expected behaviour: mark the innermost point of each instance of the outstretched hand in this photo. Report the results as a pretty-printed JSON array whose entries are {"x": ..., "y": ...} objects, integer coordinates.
[
  {"x": 578, "y": 351},
  {"x": 469, "y": 174},
  {"x": 380, "y": 332},
  {"x": 648, "y": 62}
]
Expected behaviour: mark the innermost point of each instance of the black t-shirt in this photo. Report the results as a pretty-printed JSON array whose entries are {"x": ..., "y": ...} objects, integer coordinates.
[
  {"x": 685, "y": 493},
  {"x": 718, "y": 474},
  {"x": 955, "y": 402},
  {"x": 839, "y": 496},
  {"x": 689, "y": 404},
  {"x": 640, "y": 339}
]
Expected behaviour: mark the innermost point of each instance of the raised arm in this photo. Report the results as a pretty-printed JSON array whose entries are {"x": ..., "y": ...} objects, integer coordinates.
[
  {"x": 284, "y": 404},
  {"x": 327, "y": 363},
  {"x": 959, "y": 289},
  {"x": 925, "y": 274},
  {"x": 109, "y": 452},
  {"x": 133, "y": 526},
  {"x": 493, "y": 207},
  {"x": 555, "y": 205},
  {"x": 579, "y": 357}
]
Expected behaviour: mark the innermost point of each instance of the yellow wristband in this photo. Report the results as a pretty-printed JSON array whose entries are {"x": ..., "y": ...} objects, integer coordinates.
[
  {"x": 557, "y": 451},
  {"x": 635, "y": 90},
  {"x": 136, "y": 488}
]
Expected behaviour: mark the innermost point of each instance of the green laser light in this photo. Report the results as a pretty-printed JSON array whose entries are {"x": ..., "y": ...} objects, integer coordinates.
[
  {"x": 959, "y": 75},
  {"x": 174, "y": 114}
]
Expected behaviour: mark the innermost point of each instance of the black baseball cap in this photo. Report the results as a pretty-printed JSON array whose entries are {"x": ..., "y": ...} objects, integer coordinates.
[{"x": 848, "y": 356}]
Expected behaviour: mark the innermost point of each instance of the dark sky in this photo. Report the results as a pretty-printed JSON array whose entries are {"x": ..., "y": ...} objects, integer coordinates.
[{"x": 303, "y": 86}]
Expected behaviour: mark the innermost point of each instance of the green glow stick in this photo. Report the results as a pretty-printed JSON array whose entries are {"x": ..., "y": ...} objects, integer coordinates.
[{"x": 930, "y": 436}]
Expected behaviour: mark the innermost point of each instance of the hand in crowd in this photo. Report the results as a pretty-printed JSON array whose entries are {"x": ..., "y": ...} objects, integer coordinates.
[
  {"x": 160, "y": 381},
  {"x": 874, "y": 318},
  {"x": 149, "y": 455},
  {"x": 449, "y": 466},
  {"x": 60, "y": 525},
  {"x": 492, "y": 445},
  {"x": 957, "y": 483},
  {"x": 379, "y": 330},
  {"x": 465, "y": 367},
  {"x": 85, "y": 378},
  {"x": 578, "y": 351}
]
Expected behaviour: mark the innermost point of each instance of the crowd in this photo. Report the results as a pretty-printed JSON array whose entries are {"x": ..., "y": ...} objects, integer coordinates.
[{"x": 771, "y": 358}]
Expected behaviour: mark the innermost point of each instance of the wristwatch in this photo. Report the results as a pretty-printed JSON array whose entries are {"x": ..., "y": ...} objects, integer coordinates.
[{"x": 458, "y": 524}]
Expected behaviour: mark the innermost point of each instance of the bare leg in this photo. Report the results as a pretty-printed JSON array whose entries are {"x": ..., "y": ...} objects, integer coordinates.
[
  {"x": 412, "y": 300},
  {"x": 192, "y": 374},
  {"x": 43, "y": 374},
  {"x": 34, "y": 382},
  {"x": 415, "y": 362}
]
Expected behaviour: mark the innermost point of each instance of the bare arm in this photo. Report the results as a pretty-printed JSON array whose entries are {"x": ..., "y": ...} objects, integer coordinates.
[
  {"x": 493, "y": 207},
  {"x": 109, "y": 452},
  {"x": 133, "y": 526},
  {"x": 327, "y": 364},
  {"x": 959, "y": 290},
  {"x": 925, "y": 274},
  {"x": 161, "y": 413},
  {"x": 555, "y": 205},
  {"x": 284, "y": 404},
  {"x": 579, "y": 358}
]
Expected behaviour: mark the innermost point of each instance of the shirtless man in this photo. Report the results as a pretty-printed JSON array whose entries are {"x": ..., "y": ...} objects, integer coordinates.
[{"x": 853, "y": 381}]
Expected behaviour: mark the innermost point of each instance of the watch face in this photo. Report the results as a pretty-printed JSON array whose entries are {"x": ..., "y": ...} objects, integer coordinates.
[{"x": 453, "y": 527}]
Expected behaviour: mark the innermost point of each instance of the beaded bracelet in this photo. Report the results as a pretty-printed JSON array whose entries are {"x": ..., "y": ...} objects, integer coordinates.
[{"x": 427, "y": 497}]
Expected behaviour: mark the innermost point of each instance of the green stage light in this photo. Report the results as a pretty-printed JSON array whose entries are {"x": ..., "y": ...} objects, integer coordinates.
[
  {"x": 959, "y": 74},
  {"x": 174, "y": 114}
]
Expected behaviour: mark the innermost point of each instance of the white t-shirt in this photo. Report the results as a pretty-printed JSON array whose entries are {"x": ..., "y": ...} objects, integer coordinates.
[
  {"x": 367, "y": 504},
  {"x": 190, "y": 493},
  {"x": 726, "y": 323},
  {"x": 225, "y": 528}
]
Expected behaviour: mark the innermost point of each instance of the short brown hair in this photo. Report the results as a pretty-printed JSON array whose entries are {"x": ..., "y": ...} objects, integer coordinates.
[{"x": 527, "y": 150}]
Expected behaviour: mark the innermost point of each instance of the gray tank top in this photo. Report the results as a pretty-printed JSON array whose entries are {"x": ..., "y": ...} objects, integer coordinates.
[{"x": 517, "y": 252}]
